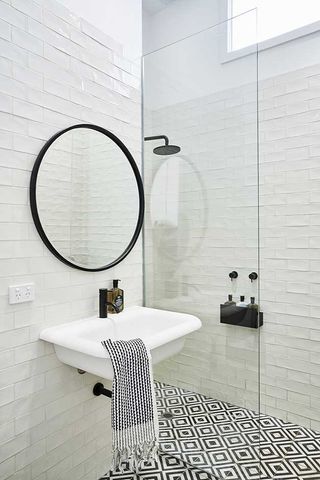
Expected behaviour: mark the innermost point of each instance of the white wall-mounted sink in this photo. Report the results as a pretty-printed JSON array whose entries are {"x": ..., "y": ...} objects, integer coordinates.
[{"x": 78, "y": 343}]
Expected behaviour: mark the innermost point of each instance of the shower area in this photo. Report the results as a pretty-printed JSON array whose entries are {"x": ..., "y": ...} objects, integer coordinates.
[{"x": 231, "y": 175}]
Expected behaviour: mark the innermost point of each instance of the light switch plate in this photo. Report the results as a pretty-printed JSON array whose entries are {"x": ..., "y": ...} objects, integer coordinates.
[{"x": 21, "y": 293}]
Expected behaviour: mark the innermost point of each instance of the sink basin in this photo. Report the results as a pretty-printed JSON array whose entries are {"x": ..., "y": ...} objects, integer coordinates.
[{"x": 78, "y": 343}]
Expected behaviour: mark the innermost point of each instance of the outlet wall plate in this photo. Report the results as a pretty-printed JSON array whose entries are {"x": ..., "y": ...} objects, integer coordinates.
[{"x": 21, "y": 293}]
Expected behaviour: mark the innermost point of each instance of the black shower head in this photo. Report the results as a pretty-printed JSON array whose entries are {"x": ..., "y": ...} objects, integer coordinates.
[{"x": 165, "y": 149}]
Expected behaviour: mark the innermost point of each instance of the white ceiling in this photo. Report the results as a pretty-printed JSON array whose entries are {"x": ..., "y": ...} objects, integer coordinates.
[{"x": 154, "y": 6}]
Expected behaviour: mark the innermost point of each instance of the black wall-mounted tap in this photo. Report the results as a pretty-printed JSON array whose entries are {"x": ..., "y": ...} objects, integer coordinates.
[
  {"x": 253, "y": 276},
  {"x": 103, "y": 303},
  {"x": 233, "y": 275}
]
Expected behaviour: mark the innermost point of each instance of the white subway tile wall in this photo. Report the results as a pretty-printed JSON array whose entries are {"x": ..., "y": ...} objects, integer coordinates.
[
  {"x": 55, "y": 70},
  {"x": 189, "y": 256}
]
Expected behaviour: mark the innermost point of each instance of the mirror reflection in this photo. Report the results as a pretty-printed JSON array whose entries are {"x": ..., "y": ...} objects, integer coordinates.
[
  {"x": 87, "y": 198},
  {"x": 175, "y": 184}
]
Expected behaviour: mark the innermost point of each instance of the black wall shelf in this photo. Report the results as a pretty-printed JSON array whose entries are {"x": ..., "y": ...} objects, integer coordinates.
[{"x": 241, "y": 316}]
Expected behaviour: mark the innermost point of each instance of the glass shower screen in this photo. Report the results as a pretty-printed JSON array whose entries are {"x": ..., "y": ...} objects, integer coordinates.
[{"x": 202, "y": 224}]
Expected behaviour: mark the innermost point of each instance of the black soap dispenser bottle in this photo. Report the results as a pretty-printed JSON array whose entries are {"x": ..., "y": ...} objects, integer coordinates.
[{"x": 116, "y": 297}]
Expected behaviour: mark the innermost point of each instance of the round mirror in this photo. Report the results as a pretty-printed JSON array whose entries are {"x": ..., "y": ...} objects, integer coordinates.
[
  {"x": 176, "y": 185},
  {"x": 86, "y": 197}
]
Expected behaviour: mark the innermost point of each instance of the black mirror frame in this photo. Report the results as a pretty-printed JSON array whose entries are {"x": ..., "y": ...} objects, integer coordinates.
[{"x": 33, "y": 199}]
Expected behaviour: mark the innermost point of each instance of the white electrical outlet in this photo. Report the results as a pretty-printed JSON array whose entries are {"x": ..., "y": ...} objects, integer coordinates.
[{"x": 21, "y": 293}]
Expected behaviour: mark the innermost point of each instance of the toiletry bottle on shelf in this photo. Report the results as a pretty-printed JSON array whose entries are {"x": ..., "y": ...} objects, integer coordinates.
[
  {"x": 242, "y": 302},
  {"x": 253, "y": 304},
  {"x": 116, "y": 297},
  {"x": 229, "y": 301}
]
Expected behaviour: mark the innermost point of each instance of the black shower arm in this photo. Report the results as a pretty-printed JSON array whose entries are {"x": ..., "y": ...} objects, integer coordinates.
[{"x": 158, "y": 137}]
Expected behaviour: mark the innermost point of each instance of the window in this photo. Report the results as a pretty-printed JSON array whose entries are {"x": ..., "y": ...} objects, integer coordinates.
[{"x": 274, "y": 18}]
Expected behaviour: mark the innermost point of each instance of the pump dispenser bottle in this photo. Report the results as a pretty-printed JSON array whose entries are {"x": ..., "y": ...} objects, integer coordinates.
[
  {"x": 116, "y": 297},
  {"x": 253, "y": 304},
  {"x": 230, "y": 301},
  {"x": 242, "y": 302}
]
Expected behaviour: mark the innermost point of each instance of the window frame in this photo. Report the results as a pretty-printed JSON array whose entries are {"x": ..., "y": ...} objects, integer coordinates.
[{"x": 227, "y": 56}]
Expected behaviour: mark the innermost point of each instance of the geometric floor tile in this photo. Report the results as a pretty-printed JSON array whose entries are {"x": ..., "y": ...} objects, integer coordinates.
[
  {"x": 235, "y": 443},
  {"x": 209, "y": 439},
  {"x": 166, "y": 468}
]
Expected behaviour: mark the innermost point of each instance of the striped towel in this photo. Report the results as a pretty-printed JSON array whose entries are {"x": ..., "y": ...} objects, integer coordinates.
[{"x": 133, "y": 406}]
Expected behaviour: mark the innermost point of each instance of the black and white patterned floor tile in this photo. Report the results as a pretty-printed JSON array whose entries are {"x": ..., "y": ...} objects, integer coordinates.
[
  {"x": 227, "y": 442},
  {"x": 165, "y": 468}
]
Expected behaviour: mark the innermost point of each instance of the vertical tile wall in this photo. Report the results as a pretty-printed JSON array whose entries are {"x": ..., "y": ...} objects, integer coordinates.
[
  {"x": 290, "y": 208},
  {"x": 189, "y": 256},
  {"x": 55, "y": 70}
]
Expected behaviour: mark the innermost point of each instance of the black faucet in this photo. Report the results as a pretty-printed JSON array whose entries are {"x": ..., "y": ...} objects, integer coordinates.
[{"x": 103, "y": 303}]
